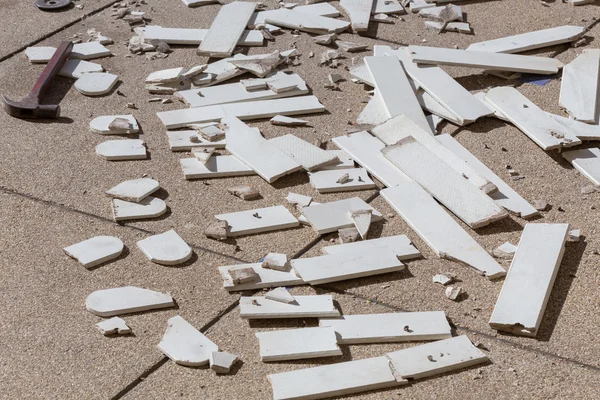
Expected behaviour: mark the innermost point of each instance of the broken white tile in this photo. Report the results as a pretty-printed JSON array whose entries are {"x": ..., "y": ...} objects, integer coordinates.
[
  {"x": 579, "y": 88},
  {"x": 166, "y": 248},
  {"x": 445, "y": 13},
  {"x": 438, "y": 229},
  {"x": 120, "y": 150},
  {"x": 442, "y": 279},
  {"x": 453, "y": 292},
  {"x": 282, "y": 83},
  {"x": 295, "y": 19},
  {"x": 317, "y": 9},
  {"x": 309, "y": 156},
  {"x": 287, "y": 121},
  {"x": 582, "y": 130},
  {"x": 165, "y": 75},
  {"x": 484, "y": 60},
  {"x": 391, "y": 327},
  {"x": 126, "y": 300},
  {"x": 530, "y": 119},
  {"x": 265, "y": 278},
  {"x": 526, "y": 290},
  {"x": 315, "y": 306},
  {"x": 387, "y": 7},
  {"x": 196, "y": 3},
  {"x": 150, "y": 207},
  {"x": 330, "y": 217},
  {"x": 104, "y": 126},
  {"x": 575, "y": 235},
  {"x": 461, "y": 27},
  {"x": 418, "y": 5},
  {"x": 505, "y": 250},
  {"x": 40, "y": 54},
  {"x": 185, "y": 344},
  {"x": 203, "y": 154},
  {"x": 586, "y": 161},
  {"x": 134, "y": 190},
  {"x": 96, "y": 83},
  {"x": 281, "y": 295},
  {"x": 399, "y": 244},
  {"x": 95, "y": 251},
  {"x": 184, "y": 36},
  {"x": 113, "y": 326},
  {"x": 298, "y": 344},
  {"x": 298, "y": 199},
  {"x": 362, "y": 221},
  {"x": 221, "y": 361},
  {"x": 530, "y": 40},
  {"x": 326, "y": 181},
  {"x": 261, "y": 67},
  {"x": 277, "y": 261},
  {"x": 74, "y": 69},
  {"x": 187, "y": 140},
  {"x": 344, "y": 161},
  {"x": 359, "y": 12},
  {"x": 216, "y": 167},
  {"x": 258, "y": 221},
  {"x": 244, "y": 192},
  {"x": 449, "y": 187},
  {"x": 89, "y": 51}
]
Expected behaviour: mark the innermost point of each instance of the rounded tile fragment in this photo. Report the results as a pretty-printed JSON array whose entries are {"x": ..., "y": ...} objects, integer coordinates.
[
  {"x": 96, "y": 84},
  {"x": 95, "y": 251},
  {"x": 166, "y": 248},
  {"x": 134, "y": 190},
  {"x": 185, "y": 345},
  {"x": 120, "y": 150},
  {"x": 103, "y": 126},
  {"x": 125, "y": 300},
  {"x": 150, "y": 207}
]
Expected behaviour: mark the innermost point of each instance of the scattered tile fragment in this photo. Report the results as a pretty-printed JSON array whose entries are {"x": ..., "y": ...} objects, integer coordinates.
[
  {"x": 287, "y": 121},
  {"x": 195, "y": 70},
  {"x": 212, "y": 133},
  {"x": 321, "y": 39},
  {"x": 121, "y": 150},
  {"x": 96, "y": 83},
  {"x": 295, "y": 344},
  {"x": 453, "y": 292},
  {"x": 540, "y": 205},
  {"x": 281, "y": 295},
  {"x": 203, "y": 154},
  {"x": 351, "y": 47},
  {"x": 40, "y": 54},
  {"x": 166, "y": 248},
  {"x": 443, "y": 279},
  {"x": 126, "y": 300},
  {"x": 276, "y": 261},
  {"x": 348, "y": 235},
  {"x": 114, "y": 124},
  {"x": 95, "y": 251},
  {"x": 165, "y": 75},
  {"x": 244, "y": 192},
  {"x": 221, "y": 361},
  {"x": 75, "y": 69},
  {"x": 150, "y": 207},
  {"x": 113, "y": 326},
  {"x": 217, "y": 230},
  {"x": 298, "y": 199},
  {"x": 362, "y": 220},
  {"x": 242, "y": 275},
  {"x": 134, "y": 190},
  {"x": 186, "y": 345},
  {"x": 575, "y": 235},
  {"x": 505, "y": 250}
]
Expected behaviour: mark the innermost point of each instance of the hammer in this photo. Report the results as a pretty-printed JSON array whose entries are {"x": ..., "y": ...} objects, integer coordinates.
[{"x": 30, "y": 106}]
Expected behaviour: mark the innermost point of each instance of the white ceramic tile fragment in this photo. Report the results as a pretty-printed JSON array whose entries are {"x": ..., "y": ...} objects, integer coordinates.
[
  {"x": 306, "y": 154},
  {"x": 281, "y": 295},
  {"x": 226, "y": 29},
  {"x": 96, "y": 83},
  {"x": 387, "y": 7},
  {"x": 435, "y": 358},
  {"x": 347, "y": 265},
  {"x": 526, "y": 290},
  {"x": 89, "y": 51},
  {"x": 297, "y": 19},
  {"x": 197, "y": 3},
  {"x": 359, "y": 12},
  {"x": 315, "y": 306},
  {"x": 186, "y": 345},
  {"x": 266, "y": 277},
  {"x": 150, "y": 207},
  {"x": 215, "y": 167},
  {"x": 121, "y": 150},
  {"x": 221, "y": 361},
  {"x": 433, "y": 224},
  {"x": 530, "y": 119},
  {"x": 165, "y": 75},
  {"x": 102, "y": 125},
  {"x": 298, "y": 344},
  {"x": 505, "y": 250},
  {"x": 259, "y": 220},
  {"x": 450, "y": 188},
  {"x": 189, "y": 139},
  {"x": 579, "y": 86},
  {"x": 392, "y": 327},
  {"x": 287, "y": 121},
  {"x": 586, "y": 161},
  {"x": 261, "y": 155},
  {"x": 192, "y": 36},
  {"x": 362, "y": 221},
  {"x": 505, "y": 196},
  {"x": 317, "y": 9},
  {"x": 484, "y": 60},
  {"x": 462, "y": 27},
  {"x": 74, "y": 69},
  {"x": 326, "y": 181},
  {"x": 134, "y": 190},
  {"x": 166, "y": 248},
  {"x": 126, "y": 300},
  {"x": 344, "y": 161},
  {"x": 582, "y": 130},
  {"x": 203, "y": 154},
  {"x": 113, "y": 326},
  {"x": 298, "y": 199},
  {"x": 437, "y": 13},
  {"x": 276, "y": 261},
  {"x": 399, "y": 244},
  {"x": 333, "y": 216},
  {"x": 39, "y": 54},
  {"x": 95, "y": 251}
]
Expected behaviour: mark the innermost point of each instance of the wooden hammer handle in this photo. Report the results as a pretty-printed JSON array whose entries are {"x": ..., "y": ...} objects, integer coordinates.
[{"x": 52, "y": 69}]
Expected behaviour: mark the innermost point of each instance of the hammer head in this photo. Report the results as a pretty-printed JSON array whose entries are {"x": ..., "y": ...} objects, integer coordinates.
[{"x": 30, "y": 108}]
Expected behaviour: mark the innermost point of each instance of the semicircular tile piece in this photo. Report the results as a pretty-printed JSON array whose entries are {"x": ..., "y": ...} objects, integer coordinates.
[
  {"x": 121, "y": 150},
  {"x": 185, "y": 344},
  {"x": 125, "y": 300},
  {"x": 167, "y": 248},
  {"x": 95, "y": 251},
  {"x": 96, "y": 83},
  {"x": 150, "y": 207},
  {"x": 134, "y": 190},
  {"x": 105, "y": 125}
]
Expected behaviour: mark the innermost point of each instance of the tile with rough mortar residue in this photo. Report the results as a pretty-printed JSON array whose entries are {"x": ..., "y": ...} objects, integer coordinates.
[
  {"x": 185, "y": 344},
  {"x": 102, "y": 123},
  {"x": 327, "y": 181},
  {"x": 437, "y": 228},
  {"x": 258, "y": 220},
  {"x": 450, "y": 188},
  {"x": 150, "y": 207},
  {"x": 122, "y": 150},
  {"x": 126, "y": 300},
  {"x": 359, "y": 12},
  {"x": 134, "y": 190},
  {"x": 281, "y": 295},
  {"x": 96, "y": 83},
  {"x": 528, "y": 284},
  {"x": 113, "y": 326},
  {"x": 184, "y": 36},
  {"x": 166, "y": 248},
  {"x": 165, "y": 75},
  {"x": 277, "y": 261},
  {"x": 399, "y": 244},
  {"x": 298, "y": 344},
  {"x": 182, "y": 141},
  {"x": 95, "y": 251},
  {"x": 306, "y": 154},
  {"x": 314, "y": 306},
  {"x": 335, "y": 215},
  {"x": 579, "y": 86},
  {"x": 216, "y": 167},
  {"x": 586, "y": 161},
  {"x": 74, "y": 69},
  {"x": 267, "y": 278},
  {"x": 391, "y": 327}
]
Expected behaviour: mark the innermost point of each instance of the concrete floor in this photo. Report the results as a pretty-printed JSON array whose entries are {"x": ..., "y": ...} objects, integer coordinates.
[{"x": 51, "y": 193}]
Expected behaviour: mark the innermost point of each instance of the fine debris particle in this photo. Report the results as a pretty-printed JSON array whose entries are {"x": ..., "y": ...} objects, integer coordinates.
[
  {"x": 589, "y": 189},
  {"x": 217, "y": 230},
  {"x": 244, "y": 192}
]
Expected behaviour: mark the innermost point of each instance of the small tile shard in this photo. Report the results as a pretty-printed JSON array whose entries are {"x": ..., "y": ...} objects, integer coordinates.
[
  {"x": 321, "y": 39},
  {"x": 443, "y": 279},
  {"x": 505, "y": 250},
  {"x": 195, "y": 70},
  {"x": 126, "y": 300},
  {"x": 221, "y": 361},
  {"x": 348, "y": 235},
  {"x": 453, "y": 292},
  {"x": 95, "y": 251},
  {"x": 540, "y": 205},
  {"x": 281, "y": 295},
  {"x": 134, "y": 190},
  {"x": 203, "y": 154},
  {"x": 96, "y": 83},
  {"x": 121, "y": 150},
  {"x": 351, "y": 47},
  {"x": 165, "y": 76},
  {"x": 242, "y": 275},
  {"x": 298, "y": 199},
  {"x": 186, "y": 345},
  {"x": 362, "y": 221},
  {"x": 217, "y": 230},
  {"x": 212, "y": 133},
  {"x": 113, "y": 326},
  {"x": 296, "y": 344},
  {"x": 575, "y": 235},
  {"x": 244, "y": 192},
  {"x": 150, "y": 207},
  {"x": 276, "y": 261},
  {"x": 287, "y": 121},
  {"x": 166, "y": 248}
]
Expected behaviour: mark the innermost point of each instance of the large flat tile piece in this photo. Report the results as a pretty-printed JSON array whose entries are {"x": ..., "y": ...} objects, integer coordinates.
[
  {"x": 400, "y": 244},
  {"x": 297, "y": 344},
  {"x": 330, "y": 217},
  {"x": 315, "y": 306},
  {"x": 259, "y": 220}
]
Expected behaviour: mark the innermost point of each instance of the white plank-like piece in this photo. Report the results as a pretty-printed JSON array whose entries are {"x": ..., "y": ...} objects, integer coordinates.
[
  {"x": 359, "y": 12},
  {"x": 582, "y": 130},
  {"x": 244, "y": 111},
  {"x": 401, "y": 127},
  {"x": 530, "y": 119},
  {"x": 587, "y": 161},
  {"x": 505, "y": 196},
  {"x": 395, "y": 90},
  {"x": 315, "y": 306},
  {"x": 433, "y": 106},
  {"x": 237, "y": 92},
  {"x": 449, "y": 187},
  {"x": 256, "y": 152},
  {"x": 306, "y": 154},
  {"x": 267, "y": 278},
  {"x": 269, "y": 219},
  {"x": 226, "y": 29},
  {"x": 305, "y": 22},
  {"x": 579, "y": 87},
  {"x": 526, "y": 290},
  {"x": 387, "y": 7},
  {"x": 391, "y": 327},
  {"x": 530, "y": 40},
  {"x": 441, "y": 86},
  {"x": 347, "y": 265},
  {"x": 328, "y": 181},
  {"x": 365, "y": 149},
  {"x": 437, "y": 228},
  {"x": 126, "y": 300},
  {"x": 333, "y": 216},
  {"x": 182, "y": 141},
  {"x": 400, "y": 244},
  {"x": 185, "y": 344},
  {"x": 95, "y": 251},
  {"x": 215, "y": 167},
  {"x": 317, "y": 9},
  {"x": 298, "y": 344},
  {"x": 484, "y": 60},
  {"x": 192, "y": 36},
  {"x": 435, "y": 358}
]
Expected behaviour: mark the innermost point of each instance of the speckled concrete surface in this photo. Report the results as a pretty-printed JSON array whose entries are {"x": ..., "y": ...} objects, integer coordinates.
[{"x": 52, "y": 191}]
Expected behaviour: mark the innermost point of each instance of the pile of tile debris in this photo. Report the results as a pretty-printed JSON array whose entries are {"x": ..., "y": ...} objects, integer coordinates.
[{"x": 400, "y": 147}]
